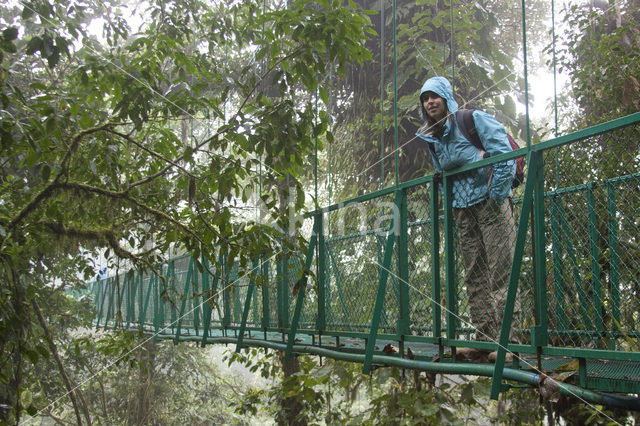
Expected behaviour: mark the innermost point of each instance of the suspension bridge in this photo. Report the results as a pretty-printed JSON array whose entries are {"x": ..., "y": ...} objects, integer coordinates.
[{"x": 381, "y": 283}]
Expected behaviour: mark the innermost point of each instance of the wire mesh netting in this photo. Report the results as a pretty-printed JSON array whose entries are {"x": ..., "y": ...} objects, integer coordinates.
[
  {"x": 422, "y": 298},
  {"x": 591, "y": 265},
  {"x": 592, "y": 239},
  {"x": 355, "y": 257}
]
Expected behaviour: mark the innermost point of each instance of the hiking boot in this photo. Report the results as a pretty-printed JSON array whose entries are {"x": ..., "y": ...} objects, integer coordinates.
[{"x": 508, "y": 359}]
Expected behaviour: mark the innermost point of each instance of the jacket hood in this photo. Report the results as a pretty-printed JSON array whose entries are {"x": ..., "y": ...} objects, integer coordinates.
[{"x": 441, "y": 87}]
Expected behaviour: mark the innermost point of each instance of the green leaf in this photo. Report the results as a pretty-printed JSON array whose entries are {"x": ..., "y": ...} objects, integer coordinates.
[
  {"x": 466, "y": 396},
  {"x": 54, "y": 57},
  {"x": 32, "y": 355},
  {"x": 43, "y": 351},
  {"x": 27, "y": 12},
  {"x": 34, "y": 45},
  {"x": 323, "y": 95},
  {"x": 329, "y": 135},
  {"x": 7, "y": 46},
  {"x": 262, "y": 53},
  {"x": 50, "y": 124},
  {"x": 26, "y": 398},
  {"x": 10, "y": 33},
  {"x": 31, "y": 292},
  {"x": 562, "y": 377}
]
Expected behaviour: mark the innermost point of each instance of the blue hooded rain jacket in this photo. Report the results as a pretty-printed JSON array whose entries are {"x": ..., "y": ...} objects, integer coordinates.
[{"x": 453, "y": 150}]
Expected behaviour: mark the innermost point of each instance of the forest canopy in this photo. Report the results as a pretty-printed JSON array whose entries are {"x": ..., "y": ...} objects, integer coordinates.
[{"x": 132, "y": 130}]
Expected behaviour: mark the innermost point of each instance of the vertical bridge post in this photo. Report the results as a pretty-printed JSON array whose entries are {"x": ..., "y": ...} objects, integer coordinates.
[
  {"x": 534, "y": 167},
  {"x": 383, "y": 275},
  {"x": 301, "y": 287}
]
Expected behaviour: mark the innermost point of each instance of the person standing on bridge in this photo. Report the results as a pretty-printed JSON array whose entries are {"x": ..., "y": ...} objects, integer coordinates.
[{"x": 482, "y": 209}]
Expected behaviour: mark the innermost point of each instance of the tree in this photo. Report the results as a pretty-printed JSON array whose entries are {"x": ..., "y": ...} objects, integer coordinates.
[
  {"x": 483, "y": 58},
  {"x": 600, "y": 55},
  {"x": 150, "y": 383},
  {"x": 150, "y": 139}
]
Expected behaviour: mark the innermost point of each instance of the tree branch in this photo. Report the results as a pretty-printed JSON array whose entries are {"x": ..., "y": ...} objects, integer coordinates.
[
  {"x": 56, "y": 357},
  {"x": 58, "y": 420},
  {"x": 47, "y": 191},
  {"x": 149, "y": 151},
  {"x": 123, "y": 195},
  {"x": 103, "y": 235},
  {"x": 164, "y": 216},
  {"x": 219, "y": 133},
  {"x": 74, "y": 146},
  {"x": 149, "y": 178}
]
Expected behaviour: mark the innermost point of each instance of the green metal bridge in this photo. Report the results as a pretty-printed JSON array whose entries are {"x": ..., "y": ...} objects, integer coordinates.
[{"x": 381, "y": 281}]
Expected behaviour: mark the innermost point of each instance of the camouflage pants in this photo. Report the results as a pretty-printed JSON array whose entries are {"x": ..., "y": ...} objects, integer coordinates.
[{"x": 487, "y": 234}]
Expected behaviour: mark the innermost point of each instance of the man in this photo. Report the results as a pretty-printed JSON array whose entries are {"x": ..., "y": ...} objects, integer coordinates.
[{"x": 482, "y": 209}]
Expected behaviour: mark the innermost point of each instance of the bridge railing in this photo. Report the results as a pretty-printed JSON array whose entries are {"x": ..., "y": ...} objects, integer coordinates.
[
  {"x": 389, "y": 265},
  {"x": 592, "y": 233}
]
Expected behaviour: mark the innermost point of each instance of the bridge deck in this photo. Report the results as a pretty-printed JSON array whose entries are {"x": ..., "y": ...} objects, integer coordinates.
[{"x": 596, "y": 374}]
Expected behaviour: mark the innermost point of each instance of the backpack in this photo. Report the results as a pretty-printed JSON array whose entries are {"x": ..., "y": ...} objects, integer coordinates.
[{"x": 464, "y": 118}]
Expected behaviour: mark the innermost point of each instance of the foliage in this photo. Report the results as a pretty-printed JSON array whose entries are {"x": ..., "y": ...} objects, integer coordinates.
[
  {"x": 326, "y": 391},
  {"x": 131, "y": 142},
  {"x": 337, "y": 392},
  {"x": 601, "y": 58},
  {"x": 301, "y": 385},
  {"x": 104, "y": 130},
  {"x": 126, "y": 380},
  {"x": 400, "y": 403}
]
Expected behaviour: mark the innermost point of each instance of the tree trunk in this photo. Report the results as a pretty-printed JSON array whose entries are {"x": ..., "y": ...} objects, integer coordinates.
[
  {"x": 14, "y": 322},
  {"x": 16, "y": 380},
  {"x": 145, "y": 384},
  {"x": 291, "y": 408},
  {"x": 71, "y": 389}
]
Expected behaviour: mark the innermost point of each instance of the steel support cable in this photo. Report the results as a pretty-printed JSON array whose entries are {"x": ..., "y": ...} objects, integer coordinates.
[
  {"x": 452, "y": 51},
  {"x": 555, "y": 87},
  {"x": 382, "y": 24},
  {"x": 395, "y": 95},
  {"x": 315, "y": 156},
  {"x": 264, "y": 60},
  {"x": 526, "y": 72}
]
